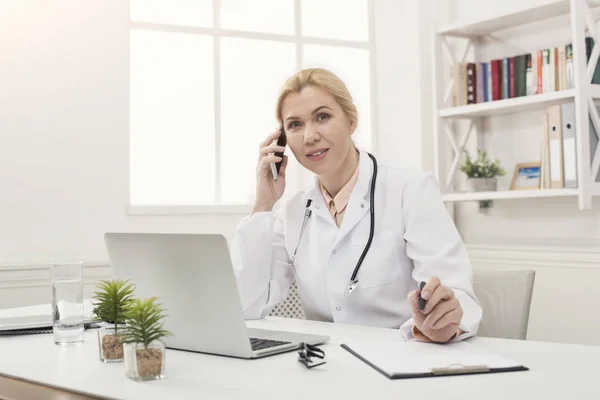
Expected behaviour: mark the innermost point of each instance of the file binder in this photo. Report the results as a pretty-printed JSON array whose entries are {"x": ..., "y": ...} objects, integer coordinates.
[
  {"x": 409, "y": 360},
  {"x": 555, "y": 134},
  {"x": 569, "y": 137},
  {"x": 545, "y": 155}
]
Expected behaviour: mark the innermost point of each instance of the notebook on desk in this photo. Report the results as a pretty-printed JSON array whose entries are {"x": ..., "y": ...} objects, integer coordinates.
[
  {"x": 405, "y": 360},
  {"x": 37, "y": 319},
  {"x": 34, "y": 324}
]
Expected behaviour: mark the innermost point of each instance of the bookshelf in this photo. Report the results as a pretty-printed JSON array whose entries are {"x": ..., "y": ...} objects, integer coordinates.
[{"x": 579, "y": 16}]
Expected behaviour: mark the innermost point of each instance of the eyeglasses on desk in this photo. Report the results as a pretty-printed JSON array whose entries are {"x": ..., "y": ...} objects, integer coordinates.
[{"x": 310, "y": 355}]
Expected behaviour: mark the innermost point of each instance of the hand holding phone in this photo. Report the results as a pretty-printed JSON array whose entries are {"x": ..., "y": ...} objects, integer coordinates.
[
  {"x": 275, "y": 167},
  {"x": 270, "y": 183}
]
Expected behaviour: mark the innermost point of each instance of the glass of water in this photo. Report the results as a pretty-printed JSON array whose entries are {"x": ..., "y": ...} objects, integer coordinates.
[{"x": 67, "y": 302}]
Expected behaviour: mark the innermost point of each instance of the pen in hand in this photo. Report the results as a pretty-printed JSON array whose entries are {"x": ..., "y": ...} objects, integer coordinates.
[{"x": 422, "y": 301}]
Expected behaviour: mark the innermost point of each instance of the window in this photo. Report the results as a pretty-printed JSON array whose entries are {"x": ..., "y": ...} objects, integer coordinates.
[{"x": 204, "y": 78}]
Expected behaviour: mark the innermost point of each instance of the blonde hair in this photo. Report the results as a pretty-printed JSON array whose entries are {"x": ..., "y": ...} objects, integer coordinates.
[{"x": 324, "y": 79}]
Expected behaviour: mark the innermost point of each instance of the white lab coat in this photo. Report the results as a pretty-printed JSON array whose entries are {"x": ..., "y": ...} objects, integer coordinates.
[{"x": 414, "y": 239}]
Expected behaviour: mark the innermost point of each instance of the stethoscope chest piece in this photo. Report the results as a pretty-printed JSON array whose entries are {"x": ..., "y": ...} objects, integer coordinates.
[{"x": 350, "y": 287}]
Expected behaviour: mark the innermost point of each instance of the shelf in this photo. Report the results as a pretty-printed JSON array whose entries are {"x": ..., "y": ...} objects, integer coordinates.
[
  {"x": 582, "y": 21},
  {"x": 516, "y": 104},
  {"x": 508, "y": 195},
  {"x": 554, "y": 9}
]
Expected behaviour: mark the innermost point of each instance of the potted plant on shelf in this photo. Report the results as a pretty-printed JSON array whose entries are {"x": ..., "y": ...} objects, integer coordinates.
[
  {"x": 112, "y": 301},
  {"x": 481, "y": 173},
  {"x": 144, "y": 348}
]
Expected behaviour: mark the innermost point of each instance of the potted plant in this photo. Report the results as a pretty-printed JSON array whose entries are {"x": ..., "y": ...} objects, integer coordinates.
[
  {"x": 144, "y": 348},
  {"x": 481, "y": 173},
  {"x": 112, "y": 300}
]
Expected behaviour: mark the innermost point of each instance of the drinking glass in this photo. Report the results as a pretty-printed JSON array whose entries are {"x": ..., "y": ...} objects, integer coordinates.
[{"x": 67, "y": 302}]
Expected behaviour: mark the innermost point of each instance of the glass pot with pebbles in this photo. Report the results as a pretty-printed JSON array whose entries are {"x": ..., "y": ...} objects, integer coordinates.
[
  {"x": 111, "y": 301},
  {"x": 144, "y": 349}
]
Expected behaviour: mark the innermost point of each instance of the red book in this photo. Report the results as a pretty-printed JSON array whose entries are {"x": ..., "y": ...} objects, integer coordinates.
[{"x": 496, "y": 79}]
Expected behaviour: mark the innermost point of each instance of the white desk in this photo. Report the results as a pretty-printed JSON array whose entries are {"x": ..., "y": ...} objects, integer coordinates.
[{"x": 557, "y": 371}]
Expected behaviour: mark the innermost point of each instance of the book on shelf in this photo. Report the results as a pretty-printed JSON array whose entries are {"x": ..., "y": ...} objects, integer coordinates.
[{"x": 541, "y": 71}]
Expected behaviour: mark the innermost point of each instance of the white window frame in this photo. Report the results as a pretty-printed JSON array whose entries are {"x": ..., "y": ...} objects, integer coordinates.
[{"x": 217, "y": 33}]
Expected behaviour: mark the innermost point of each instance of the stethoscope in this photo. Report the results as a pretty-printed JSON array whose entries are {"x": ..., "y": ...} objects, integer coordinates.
[{"x": 353, "y": 282}]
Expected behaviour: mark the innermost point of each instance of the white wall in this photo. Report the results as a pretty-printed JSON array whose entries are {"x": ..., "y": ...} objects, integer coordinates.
[
  {"x": 404, "y": 104},
  {"x": 64, "y": 125}
]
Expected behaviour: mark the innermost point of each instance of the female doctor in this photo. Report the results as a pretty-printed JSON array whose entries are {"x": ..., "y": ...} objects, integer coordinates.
[{"x": 318, "y": 237}]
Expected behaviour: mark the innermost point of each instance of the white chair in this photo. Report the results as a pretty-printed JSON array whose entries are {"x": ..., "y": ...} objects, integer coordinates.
[{"x": 505, "y": 297}]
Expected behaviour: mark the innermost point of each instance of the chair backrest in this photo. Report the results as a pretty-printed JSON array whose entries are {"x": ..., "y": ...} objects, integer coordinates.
[
  {"x": 291, "y": 306},
  {"x": 505, "y": 297}
]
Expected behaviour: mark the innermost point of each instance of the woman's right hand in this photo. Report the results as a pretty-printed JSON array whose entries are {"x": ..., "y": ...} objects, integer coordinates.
[{"x": 268, "y": 190}]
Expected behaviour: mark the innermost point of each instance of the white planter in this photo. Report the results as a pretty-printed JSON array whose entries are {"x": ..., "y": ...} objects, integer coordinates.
[{"x": 482, "y": 184}]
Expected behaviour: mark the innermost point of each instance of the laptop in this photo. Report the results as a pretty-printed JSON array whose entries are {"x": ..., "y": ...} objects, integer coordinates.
[{"x": 193, "y": 277}]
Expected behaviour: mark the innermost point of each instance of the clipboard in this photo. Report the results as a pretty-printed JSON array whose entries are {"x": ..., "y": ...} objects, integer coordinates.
[{"x": 430, "y": 364}]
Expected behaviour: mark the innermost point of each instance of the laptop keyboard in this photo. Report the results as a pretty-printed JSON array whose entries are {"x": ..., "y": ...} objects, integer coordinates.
[{"x": 261, "y": 344}]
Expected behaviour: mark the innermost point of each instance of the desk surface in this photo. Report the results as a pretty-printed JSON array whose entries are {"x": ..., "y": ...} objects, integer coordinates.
[{"x": 557, "y": 371}]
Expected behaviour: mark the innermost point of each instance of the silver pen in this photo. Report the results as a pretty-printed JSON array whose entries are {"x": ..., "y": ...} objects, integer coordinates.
[{"x": 306, "y": 216}]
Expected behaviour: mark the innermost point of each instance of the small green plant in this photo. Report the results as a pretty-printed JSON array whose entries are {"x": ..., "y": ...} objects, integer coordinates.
[
  {"x": 482, "y": 167},
  {"x": 144, "y": 322},
  {"x": 113, "y": 300}
]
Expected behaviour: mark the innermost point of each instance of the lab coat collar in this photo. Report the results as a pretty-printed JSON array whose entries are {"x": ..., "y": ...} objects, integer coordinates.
[
  {"x": 358, "y": 205},
  {"x": 359, "y": 197}
]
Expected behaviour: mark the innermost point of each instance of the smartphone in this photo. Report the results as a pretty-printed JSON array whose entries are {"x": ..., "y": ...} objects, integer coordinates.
[{"x": 275, "y": 167}]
